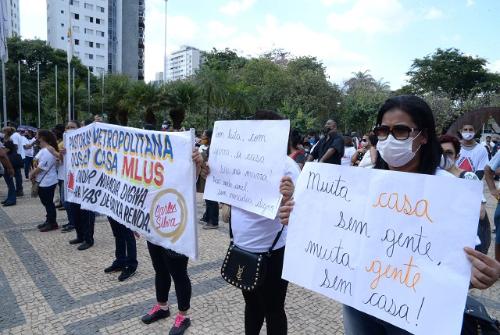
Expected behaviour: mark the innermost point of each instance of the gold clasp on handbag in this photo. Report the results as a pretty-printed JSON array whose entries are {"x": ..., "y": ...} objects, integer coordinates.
[{"x": 239, "y": 274}]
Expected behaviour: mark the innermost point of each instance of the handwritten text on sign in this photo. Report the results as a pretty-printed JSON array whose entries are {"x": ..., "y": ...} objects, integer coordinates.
[
  {"x": 142, "y": 179},
  {"x": 247, "y": 160},
  {"x": 389, "y": 244}
]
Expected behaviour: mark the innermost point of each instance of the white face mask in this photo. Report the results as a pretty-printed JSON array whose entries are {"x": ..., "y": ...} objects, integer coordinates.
[
  {"x": 446, "y": 163},
  {"x": 396, "y": 153},
  {"x": 467, "y": 136}
]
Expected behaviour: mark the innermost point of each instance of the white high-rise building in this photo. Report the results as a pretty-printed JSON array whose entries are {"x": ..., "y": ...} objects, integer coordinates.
[
  {"x": 183, "y": 63},
  {"x": 108, "y": 35},
  {"x": 12, "y": 8}
]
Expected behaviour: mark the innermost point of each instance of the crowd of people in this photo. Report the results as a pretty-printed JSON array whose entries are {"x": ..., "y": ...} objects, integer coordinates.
[{"x": 404, "y": 139}]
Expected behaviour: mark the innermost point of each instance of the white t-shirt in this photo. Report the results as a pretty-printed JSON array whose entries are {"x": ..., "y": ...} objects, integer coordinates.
[
  {"x": 366, "y": 161},
  {"x": 348, "y": 153},
  {"x": 48, "y": 164},
  {"x": 473, "y": 159},
  {"x": 29, "y": 152},
  {"x": 20, "y": 141},
  {"x": 255, "y": 233}
]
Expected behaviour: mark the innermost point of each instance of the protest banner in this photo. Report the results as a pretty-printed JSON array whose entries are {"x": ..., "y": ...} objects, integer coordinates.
[
  {"x": 143, "y": 179},
  {"x": 247, "y": 160},
  {"x": 387, "y": 243}
]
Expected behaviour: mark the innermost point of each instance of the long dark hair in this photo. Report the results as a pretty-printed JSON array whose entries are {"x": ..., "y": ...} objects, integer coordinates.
[
  {"x": 48, "y": 137},
  {"x": 421, "y": 114}
]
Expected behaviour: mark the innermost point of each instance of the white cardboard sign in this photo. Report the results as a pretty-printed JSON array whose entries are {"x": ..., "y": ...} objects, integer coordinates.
[
  {"x": 387, "y": 243},
  {"x": 141, "y": 178},
  {"x": 247, "y": 159}
]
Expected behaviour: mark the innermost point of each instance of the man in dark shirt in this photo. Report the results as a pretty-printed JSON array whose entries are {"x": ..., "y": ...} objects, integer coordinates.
[{"x": 330, "y": 148}]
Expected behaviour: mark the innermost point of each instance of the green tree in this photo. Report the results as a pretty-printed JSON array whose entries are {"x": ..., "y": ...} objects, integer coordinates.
[
  {"x": 363, "y": 96},
  {"x": 452, "y": 73}
]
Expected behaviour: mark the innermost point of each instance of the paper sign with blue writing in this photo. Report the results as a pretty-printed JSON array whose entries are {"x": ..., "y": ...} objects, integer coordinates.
[
  {"x": 387, "y": 243},
  {"x": 143, "y": 179},
  {"x": 247, "y": 160}
]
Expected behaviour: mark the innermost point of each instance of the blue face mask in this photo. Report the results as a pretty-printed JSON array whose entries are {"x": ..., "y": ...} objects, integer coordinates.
[{"x": 312, "y": 141}]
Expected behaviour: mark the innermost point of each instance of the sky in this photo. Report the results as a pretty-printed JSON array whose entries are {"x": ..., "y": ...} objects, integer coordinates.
[{"x": 382, "y": 36}]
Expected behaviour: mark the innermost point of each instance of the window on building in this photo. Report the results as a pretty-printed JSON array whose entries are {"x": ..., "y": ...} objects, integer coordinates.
[
  {"x": 100, "y": 33},
  {"x": 76, "y": 29},
  {"x": 62, "y": 24},
  {"x": 62, "y": 11},
  {"x": 76, "y": 16},
  {"x": 89, "y": 31},
  {"x": 91, "y": 44},
  {"x": 91, "y": 68},
  {"x": 98, "y": 21},
  {"x": 91, "y": 56},
  {"x": 62, "y": 38},
  {"x": 77, "y": 42},
  {"x": 101, "y": 9},
  {"x": 98, "y": 45},
  {"x": 86, "y": 5}
]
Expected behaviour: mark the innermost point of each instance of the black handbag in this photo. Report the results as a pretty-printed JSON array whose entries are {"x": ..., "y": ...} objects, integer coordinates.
[
  {"x": 477, "y": 321},
  {"x": 243, "y": 269}
]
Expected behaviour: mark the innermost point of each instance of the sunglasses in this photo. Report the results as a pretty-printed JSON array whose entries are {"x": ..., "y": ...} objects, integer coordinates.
[{"x": 399, "y": 131}]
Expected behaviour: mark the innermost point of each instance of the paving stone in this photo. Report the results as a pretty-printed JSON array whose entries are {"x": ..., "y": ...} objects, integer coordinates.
[{"x": 48, "y": 287}]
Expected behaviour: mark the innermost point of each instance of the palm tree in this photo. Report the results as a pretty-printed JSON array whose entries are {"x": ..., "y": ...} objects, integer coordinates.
[{"x": 213, "y": 88}]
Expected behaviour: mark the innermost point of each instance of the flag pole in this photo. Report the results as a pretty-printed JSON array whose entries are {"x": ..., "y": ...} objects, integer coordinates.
[
  {"x": 57, "y": 108},
  {"x": 19, "y": 91},
  {"x": 4, "y": 55},
  {"x": 4, "y": 86},
  {"x": 88, "y": 90},
  {"x": 69, "y": 56},
  {"x": 38, "y": 90}
]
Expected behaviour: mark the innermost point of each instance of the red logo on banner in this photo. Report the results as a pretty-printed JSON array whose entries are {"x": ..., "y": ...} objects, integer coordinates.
[{"x": 71, "y": 181}]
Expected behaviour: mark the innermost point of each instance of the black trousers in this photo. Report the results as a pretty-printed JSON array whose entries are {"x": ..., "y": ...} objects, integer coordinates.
[
  {"x": 46, "y": 195},
  {"x": 212, "y": 212},
  {"x": 125, "y": 246},
  {"x": 83, "y": 221},
  {"x": 268, "y": 301},
  {"x": 169, "y": 264}
]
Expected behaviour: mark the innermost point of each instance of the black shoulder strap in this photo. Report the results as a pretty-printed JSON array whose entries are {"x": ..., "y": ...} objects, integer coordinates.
[
  {"x": 272, "y": 245},
  {"x": 462, "y": 174}
]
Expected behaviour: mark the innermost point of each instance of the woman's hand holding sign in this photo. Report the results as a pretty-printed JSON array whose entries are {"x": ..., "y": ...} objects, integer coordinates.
[
  {"x": 286, "y": 189},
  {"x": 485, "y": 270}
]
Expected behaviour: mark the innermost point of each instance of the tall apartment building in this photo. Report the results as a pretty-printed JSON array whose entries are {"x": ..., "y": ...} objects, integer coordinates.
[
  {"x": 12, "y": 10},
  {"x": 108, "y": 35},
  {"x": 183, "y": 63}
]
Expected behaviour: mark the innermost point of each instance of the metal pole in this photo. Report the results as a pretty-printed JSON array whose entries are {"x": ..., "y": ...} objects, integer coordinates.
[
  {"x": 19, "y": 91},
  {"x": 38, "y": 90},
  {"x": 57, "y": 107},
  {"x": 165, "y": 47},
  {"x": 69, "y": 91},
  {"x": 73, "y": 110},
  {"x": 88, "y": 90},
  {"x": 102, "y": 95},
  {"x": 4, "y": 86}
]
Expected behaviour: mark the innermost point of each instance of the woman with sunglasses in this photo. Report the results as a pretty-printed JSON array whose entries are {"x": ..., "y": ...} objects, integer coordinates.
[
  {"x": 366, "y": 156},
  {"x": 407, "y": 142}
]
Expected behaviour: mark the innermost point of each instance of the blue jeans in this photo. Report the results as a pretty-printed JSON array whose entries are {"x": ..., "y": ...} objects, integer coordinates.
[
  {"x": 60, "y": 183},
  {"x": 46, "y": 195},
  {"x": 11, "y": 195},
  {"x": 27, "y": 166},
  {"x": 19, "y": 179},
  {"x": 125, "y": 247},
  {"x": 359, "y": 323},
  {"x": 83, "y": 221}
]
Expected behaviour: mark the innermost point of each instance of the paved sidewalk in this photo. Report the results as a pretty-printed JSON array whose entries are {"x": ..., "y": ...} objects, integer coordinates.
[{"x": 48, "y": 287}]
